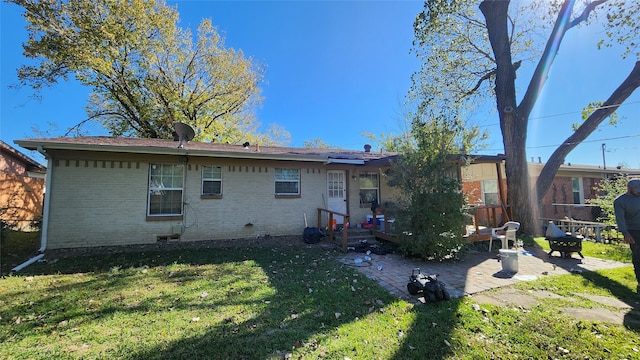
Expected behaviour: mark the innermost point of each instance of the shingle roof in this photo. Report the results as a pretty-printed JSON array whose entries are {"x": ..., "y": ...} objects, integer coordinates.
[
  {"x": 159, "y": 146},
  {"x": 31, "y": 164},
  {"x": 591, "y": 169},
  {"x": 170, "y": 147}
]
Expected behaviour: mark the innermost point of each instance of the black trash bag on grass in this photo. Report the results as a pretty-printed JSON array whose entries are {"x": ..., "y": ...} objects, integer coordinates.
[{"x": 313, "y": 235}]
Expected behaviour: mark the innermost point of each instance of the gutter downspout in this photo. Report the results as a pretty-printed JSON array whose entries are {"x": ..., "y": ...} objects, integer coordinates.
[
  {"x": 27, "y": 263},
  {"x": 47, "y": 200},
  {"x": 45, "y": 214}
]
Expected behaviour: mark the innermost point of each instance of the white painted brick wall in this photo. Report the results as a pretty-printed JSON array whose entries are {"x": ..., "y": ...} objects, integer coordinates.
[
  {"x": 95, "y": 203},
  {"x": 249, "y": 198}
]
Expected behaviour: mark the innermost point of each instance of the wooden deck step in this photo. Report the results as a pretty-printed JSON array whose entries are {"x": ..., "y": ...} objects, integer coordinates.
[{"x": 355, "y": 236}]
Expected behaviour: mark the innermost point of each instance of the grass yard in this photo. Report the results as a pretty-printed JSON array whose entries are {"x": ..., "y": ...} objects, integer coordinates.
[
  {"x": 17, "y": 247},
  {"x": 277, "y": 303},
  {"x": 617, "y": 250}
]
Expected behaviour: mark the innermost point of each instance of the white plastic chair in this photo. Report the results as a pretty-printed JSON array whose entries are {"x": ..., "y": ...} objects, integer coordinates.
[{"x": 505, "y": 233}]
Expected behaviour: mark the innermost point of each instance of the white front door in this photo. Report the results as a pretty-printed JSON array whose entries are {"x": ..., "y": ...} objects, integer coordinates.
[{"x": 337, "y": 193}]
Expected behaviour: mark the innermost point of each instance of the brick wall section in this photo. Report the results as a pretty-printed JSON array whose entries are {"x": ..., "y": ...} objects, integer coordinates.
[
  {"x": 102, "y": 201},
  {"x": 21, "y": 196},
  {"x": 472, "y": 177},
  {"x": 21, "y": 200},
  {"x": 248, "y": 207},
  {"x": 95, "y": 204},
  {"x": 561, "y": 192},
  {"x": 472, "y": 191}
]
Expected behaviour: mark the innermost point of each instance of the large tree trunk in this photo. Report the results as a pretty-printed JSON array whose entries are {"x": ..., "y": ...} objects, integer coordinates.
[
  {"x": 512, "y": 125},
  {"x": 628, "y": 86}
]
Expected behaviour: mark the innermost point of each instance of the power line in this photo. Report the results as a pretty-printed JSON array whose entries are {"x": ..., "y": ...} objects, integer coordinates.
[
  {"x": 569, "y": 113},
  {"x": 576, "y": 112},
  {"x": 585, "y": 141},
  {"x": 624, "y": 149}
]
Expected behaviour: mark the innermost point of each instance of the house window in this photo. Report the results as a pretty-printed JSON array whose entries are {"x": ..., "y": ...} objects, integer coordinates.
[
  {"x": 165, "y": 189},
  {"x": 211, "y": 180},
  {"x": 490, "y": 192},
  {"x": 287, "y": 181},
  {"x": 369, "y": 188},
  {"x": 576, "y": 187}
]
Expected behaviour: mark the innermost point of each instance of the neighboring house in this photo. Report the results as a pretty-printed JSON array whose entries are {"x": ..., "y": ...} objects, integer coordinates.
[
  {"x": 572, "y": 186},
  {"x": 483, "y": 181},
  {"x": 484, "y": 187},
  {"x": 21, "y": 189},
  {"x": 105, "y": 191}
]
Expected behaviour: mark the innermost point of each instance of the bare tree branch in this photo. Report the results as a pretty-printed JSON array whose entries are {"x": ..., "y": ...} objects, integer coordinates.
[{"x": 628, "y": 86}]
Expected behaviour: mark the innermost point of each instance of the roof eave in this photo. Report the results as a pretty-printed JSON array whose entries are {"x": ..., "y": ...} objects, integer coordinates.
[
  {"x": 152, "y": 150},
  {"x": 33, "y": 165},
  {"x": 345, "y": 161}
]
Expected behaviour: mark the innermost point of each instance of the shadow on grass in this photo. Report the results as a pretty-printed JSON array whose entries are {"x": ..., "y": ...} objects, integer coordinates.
[
  {"x": 422, "y": 330},
  {"x": 286, "y": 300},
  {"x": 17, "y": 247},
  {"x": 622, "y": 293},
  {"x": 309, "y": 299},
  {"x": 617, "y": 289}
]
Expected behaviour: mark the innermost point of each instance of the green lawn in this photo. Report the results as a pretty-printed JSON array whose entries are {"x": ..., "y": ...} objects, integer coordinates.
[
  {"x": 17, "y": 247},
  {"x": 272, "y": 303},
  {"x": 618, "y": 251}
]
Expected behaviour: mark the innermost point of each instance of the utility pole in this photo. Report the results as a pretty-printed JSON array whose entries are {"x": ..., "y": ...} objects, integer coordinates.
[{"x": 604, "y": 162}]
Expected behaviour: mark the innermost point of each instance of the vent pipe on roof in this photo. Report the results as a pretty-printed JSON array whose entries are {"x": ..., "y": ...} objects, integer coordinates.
[{"x": 367, "y": 148}]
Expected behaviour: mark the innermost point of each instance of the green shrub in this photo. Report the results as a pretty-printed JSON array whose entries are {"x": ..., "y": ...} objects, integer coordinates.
[
  {"x": 430, "y": 221},
  {"x": 433, "y": 220},
  {"x": 608, "y": 190}
]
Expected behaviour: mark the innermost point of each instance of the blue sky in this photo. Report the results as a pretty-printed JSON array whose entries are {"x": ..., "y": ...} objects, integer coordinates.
[{"x": 336, "y": 69}]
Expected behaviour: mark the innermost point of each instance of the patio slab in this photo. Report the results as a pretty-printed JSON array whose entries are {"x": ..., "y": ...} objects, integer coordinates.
[{"x": 476, "y": 273}]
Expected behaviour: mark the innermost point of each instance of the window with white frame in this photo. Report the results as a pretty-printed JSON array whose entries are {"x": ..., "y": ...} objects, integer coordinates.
[
  {"x": 287, "y": 181},
  {"x": 490, "y": 192},
  {"x": 576, "y": 188},
  {"x": 211, "y": 180},
  {"x": 165, "y": 189},
  {"x": 369, "y": 188}
]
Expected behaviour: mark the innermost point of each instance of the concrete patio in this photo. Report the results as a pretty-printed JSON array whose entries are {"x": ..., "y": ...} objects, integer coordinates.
[{"x": 479, "y": 271}]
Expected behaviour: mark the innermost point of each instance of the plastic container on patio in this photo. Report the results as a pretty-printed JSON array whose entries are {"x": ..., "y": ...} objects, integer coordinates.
[
  {"x": 390, "y": 222},
  {"x": 509, "y": 260},
  {"x": 379, "y": 219}
]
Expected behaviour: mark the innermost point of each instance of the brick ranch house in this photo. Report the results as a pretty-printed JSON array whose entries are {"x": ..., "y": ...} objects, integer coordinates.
[
  {"x": 21, "y": 188},
  {"x": 572, "y": 186},
  {"x": 109, "y": 191}
]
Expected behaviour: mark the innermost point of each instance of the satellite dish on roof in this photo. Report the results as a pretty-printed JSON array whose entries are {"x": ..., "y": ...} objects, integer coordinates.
[{"x": 185, "y": 133}]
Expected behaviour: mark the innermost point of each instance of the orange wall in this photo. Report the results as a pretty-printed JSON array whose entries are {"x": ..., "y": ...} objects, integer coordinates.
[{"x": 21, "y": 196}]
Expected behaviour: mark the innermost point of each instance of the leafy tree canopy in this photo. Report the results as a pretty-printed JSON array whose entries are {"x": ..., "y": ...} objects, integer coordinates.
[
  {"x": 146, "y": 73},
  {"x": 318, "y": 143},
  {"x": 458, "y": 64},
  {"x": 472, "y": 52}
]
